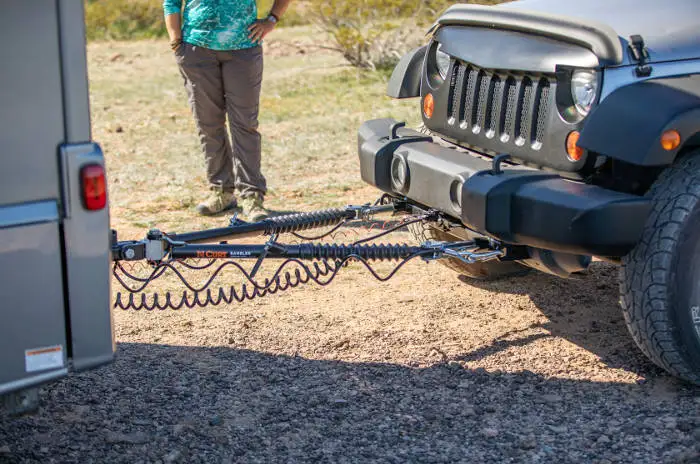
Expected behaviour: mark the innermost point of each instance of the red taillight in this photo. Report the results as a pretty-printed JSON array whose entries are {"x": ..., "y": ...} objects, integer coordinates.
[{"x": 94, "y": 186}]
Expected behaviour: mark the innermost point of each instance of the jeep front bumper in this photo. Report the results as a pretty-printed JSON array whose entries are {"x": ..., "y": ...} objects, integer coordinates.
[{"x": 516, "y": 205}]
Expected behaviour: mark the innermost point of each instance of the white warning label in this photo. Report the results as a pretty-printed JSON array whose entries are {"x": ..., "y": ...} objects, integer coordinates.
[{"x": 41, "y": 359}]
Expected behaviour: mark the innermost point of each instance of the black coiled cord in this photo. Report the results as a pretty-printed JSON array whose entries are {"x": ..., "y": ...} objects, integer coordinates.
[
  {"x": 304, "y": 221},
  {"x": 320, "y": 272},
  {"x": 374, "y": 252}
]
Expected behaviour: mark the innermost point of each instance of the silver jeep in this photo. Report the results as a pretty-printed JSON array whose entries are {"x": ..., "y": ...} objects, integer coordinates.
[{"x": 559, "y": 132}]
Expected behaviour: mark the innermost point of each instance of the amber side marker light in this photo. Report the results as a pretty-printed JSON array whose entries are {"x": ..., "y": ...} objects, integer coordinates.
[
  {"x": 670, "y": 140},
  {"x": 428, "y": 105},
  {"x": 572, "y": 149}
]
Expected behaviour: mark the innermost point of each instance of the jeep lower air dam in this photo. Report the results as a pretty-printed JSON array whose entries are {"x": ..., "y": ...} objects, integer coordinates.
[{"x": 553, "y": 133}]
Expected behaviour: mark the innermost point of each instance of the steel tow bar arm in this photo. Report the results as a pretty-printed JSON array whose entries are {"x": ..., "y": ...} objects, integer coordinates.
[
  {"x": 157, "y": 244},
  {"x": 300, "y": 263}
]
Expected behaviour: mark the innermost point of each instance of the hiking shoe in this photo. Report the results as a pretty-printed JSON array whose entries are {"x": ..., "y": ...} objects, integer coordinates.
[
  {"x": 217, "y": 202},
  {"x": 253, "y": 208}
]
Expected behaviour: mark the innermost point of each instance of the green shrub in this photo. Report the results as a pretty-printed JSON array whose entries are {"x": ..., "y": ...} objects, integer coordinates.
[
  {"x": 122, "y": 20},
  {"x": 375, "y": 34},
  {"x": 368, "y": 33}
]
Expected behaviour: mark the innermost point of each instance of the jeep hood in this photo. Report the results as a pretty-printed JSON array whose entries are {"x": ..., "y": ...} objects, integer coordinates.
[{"x": 669, "y": 28}]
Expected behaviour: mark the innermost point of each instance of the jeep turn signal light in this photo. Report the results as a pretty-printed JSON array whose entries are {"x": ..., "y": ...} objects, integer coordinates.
[
  {"x": 94, "y": 186},
  {"x": 670, "y": 140},
  {"x": 428, "y": 105},
  {"x": 572, "y": 149}
]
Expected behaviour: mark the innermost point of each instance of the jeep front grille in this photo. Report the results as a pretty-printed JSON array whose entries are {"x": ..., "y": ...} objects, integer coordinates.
[{"x": 510, "y": 107}]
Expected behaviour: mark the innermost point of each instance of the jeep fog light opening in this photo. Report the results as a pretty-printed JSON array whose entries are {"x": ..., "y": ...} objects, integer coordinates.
[
  {"x": 584, "y": 89},
  {"x": 400, "y": 175}
]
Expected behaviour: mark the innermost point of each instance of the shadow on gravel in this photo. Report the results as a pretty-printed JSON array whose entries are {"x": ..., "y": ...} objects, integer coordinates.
[
  {"x": 585, "y": 311},
  {"x": 194, "y": 404}
]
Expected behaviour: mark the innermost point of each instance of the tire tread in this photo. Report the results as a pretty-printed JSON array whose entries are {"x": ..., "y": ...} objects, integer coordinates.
[{"x": 646, "y": 272}]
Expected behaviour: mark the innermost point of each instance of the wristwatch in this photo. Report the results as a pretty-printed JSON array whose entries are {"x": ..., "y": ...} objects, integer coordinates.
[{"x": 273, "y": 18}]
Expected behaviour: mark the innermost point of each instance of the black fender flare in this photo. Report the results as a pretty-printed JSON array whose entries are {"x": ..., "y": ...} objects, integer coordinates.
[
  {"x": 627, "y": 125},
  {"x": 406, "y": 78}
]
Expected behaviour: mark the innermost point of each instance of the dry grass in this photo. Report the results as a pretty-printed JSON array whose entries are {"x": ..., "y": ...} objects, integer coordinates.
[{"x": 311, "y": 108}]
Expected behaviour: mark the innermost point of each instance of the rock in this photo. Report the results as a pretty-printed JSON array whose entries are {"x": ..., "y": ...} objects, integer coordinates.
[
  {"x": 454, "y": 365},
  {"x": 119, "y": 129},
  {"x": 688, "y": 456},
  {"x": 529, "y": 442},
  {"x": 179, "y": 429},
  {"x": 82, "y": 410},
  {"x": 43, "y": 438},
  {"x": 603, "y": 439},
  {"x": 172, "y": 457},
  {"x": 552, "y": 398},
  {"x": 561, "y": 429},
  {"x": 216, "y": 420},
  {"x": 137, "y": 438},
  {"x": 686, "y": 425},
  {"x": 490, "y": 408},
  {"x": 489, "y": 432},
  {"x": 670, "y": 423},
  {"x": 5, "y": 449}
]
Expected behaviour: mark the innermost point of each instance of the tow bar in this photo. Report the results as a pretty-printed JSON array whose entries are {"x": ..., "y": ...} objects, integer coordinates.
[{"x": 301, "y": 263}]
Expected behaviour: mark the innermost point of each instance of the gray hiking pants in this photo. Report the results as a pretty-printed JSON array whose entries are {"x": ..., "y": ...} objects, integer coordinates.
[{"x": 220, "y": 84}]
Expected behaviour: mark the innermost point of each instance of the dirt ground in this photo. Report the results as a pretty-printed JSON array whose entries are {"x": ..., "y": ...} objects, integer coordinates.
[{"x": 427, "y": 367}]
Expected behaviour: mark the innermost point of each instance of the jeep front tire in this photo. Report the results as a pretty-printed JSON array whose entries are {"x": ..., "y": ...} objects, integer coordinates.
[{"x": 660, "y": 278}]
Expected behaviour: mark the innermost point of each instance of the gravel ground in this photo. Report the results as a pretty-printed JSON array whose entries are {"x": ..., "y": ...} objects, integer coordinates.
[{"x": 426, "y": 368}]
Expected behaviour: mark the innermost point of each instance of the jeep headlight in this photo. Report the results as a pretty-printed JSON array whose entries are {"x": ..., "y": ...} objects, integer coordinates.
[
  {"x": 584, "y": 89},
  {"x": 442, "y": 61}
]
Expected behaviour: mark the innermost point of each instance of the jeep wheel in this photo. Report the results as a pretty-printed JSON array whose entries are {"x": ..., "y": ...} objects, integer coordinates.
[
  {"x": 660, "y": 278},
  {"x": 487, "y": 270}
]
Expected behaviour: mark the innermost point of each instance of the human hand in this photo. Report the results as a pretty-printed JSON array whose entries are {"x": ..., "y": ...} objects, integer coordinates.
[
  {"x": 175, "y": 44},
  {"x": 259, "y": 29}
]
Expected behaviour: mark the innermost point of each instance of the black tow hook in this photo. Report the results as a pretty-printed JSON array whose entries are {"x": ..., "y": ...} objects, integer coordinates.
[{"x": 496, "y": 164}]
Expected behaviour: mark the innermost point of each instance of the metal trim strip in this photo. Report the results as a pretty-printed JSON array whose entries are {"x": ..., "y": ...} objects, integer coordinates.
[
  {"x": 32, "y": 381},
  {"x": 28, "y": 213}
]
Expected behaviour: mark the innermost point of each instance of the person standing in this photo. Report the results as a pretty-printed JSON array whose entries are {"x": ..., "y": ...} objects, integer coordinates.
[{"x": 217, "y": 45}]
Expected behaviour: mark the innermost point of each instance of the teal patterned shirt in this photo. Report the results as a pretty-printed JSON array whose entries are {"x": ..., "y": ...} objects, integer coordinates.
[{"x": 215, "y": 24}]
